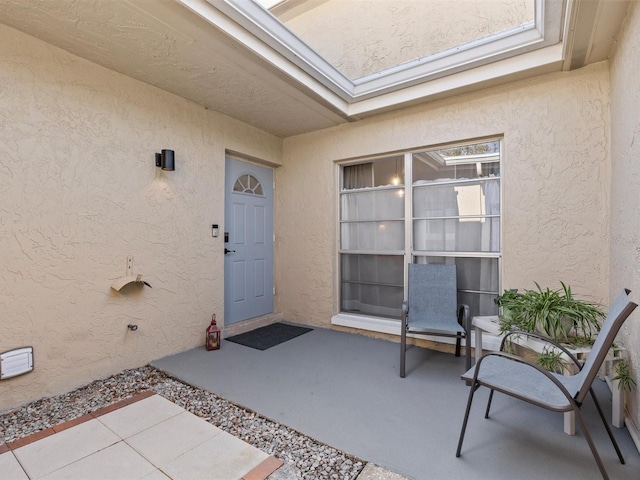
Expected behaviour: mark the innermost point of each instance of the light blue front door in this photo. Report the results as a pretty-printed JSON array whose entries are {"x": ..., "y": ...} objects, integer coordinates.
[{"x": 248, "y": 261}]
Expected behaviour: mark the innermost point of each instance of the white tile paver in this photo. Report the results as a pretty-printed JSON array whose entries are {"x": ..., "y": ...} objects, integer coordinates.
[
  {"x": 139, "y": 416},
  {"x": 116, "y": 462},
  {"x": 224, "y": 457},
  {"x": 374, "y": 472},
  {"x": 10, "y": 469},
  {"x": 56, "y": 451},
  {"x": 170, "y": 443},
  {"x": 173, "y": 437}
]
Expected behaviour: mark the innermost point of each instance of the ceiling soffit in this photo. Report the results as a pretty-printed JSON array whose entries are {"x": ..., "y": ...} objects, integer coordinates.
[
  {"x": 216, "y": 55},
  {"x": 164, "y": 44}
]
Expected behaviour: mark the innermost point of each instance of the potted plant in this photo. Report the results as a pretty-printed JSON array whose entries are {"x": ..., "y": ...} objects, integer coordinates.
[{"x": 555, "y": 313}]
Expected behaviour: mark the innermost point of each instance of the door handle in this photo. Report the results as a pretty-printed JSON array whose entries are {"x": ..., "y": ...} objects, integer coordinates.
[{"x": 227, "y": 251}]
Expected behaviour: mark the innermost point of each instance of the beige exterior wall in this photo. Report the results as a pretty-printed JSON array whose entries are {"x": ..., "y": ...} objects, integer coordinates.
[
  {"x": 625, "y": 185},
  {"x": 400, "y": 31},
  {"x": 80, "y": 192},
  {"x": 555, "y": 184}
]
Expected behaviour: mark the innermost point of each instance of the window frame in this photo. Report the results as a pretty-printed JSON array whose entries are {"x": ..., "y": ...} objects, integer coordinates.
[{"x": 410, "y": 255}]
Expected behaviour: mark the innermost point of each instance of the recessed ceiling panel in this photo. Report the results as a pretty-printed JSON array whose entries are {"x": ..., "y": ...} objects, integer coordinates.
[
  {"x": 364, "y": 37},
  {"x": 360, "y": 49}
]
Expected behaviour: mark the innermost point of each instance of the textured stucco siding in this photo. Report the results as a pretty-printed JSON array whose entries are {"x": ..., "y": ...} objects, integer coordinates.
[
  {"x": 80, "y": 192},
  {"x": 625, "y": 186},
  {"x": 400, "y": 31},
  {"x": 555, "y": 184}
]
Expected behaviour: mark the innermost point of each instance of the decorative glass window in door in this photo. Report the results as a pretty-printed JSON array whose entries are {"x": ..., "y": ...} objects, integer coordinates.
[
  {"x": 453, "y": 195},
  {"x": 249, "y": 184}
]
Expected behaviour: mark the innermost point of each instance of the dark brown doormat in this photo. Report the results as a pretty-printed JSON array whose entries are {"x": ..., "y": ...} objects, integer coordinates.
[{"x": 266, "y": 337}]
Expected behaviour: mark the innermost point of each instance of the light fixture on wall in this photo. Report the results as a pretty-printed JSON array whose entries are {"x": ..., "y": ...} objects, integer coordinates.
[{"x": 165, "y": 160}]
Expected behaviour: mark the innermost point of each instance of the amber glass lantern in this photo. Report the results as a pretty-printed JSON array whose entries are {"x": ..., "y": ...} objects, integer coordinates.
[{"x": 213, "y": 335}]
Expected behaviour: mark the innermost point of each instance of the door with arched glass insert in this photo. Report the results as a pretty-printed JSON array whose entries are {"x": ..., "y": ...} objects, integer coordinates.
[{"x": 248, "y": 262}]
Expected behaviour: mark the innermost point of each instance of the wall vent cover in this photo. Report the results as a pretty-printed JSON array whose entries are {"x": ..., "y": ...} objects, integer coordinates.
[{"x": 16, "y": 362}]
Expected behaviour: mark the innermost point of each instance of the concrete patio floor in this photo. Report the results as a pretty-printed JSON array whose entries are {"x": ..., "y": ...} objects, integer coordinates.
[{"x": 344, "y": 390}]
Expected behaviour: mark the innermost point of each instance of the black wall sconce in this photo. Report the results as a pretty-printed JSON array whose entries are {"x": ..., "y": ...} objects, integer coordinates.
[{"x": 165, "y": 160}]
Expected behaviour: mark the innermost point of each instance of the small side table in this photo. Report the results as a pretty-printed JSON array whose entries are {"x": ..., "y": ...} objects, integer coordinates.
[
  {"x": 491, "y": 325},
  {"x": 487, "y": 324}
]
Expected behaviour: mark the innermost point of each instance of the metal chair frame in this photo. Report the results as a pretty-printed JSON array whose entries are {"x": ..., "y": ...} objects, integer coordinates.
[
  {"x": 463, "y": 319},
  {"x": 573, "y": 402}
]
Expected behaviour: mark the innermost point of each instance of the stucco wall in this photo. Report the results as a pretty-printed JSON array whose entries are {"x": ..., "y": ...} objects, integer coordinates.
[
  {"x": 402, "y": 30},
  {"x": 625, "y": 185},
  {"x": 556, "y": 184},
  {"x": 80, "y": 192}
]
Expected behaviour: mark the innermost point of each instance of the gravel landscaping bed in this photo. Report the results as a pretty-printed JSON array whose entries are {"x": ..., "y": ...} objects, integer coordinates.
[{"x": 304, "y": 457}]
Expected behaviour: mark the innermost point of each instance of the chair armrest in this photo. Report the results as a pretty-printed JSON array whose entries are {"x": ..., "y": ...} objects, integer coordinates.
[
  {"x": 545, "y": 339},
  {"x": 403, "y": 320},
  {"x": 464, "y": 318}
]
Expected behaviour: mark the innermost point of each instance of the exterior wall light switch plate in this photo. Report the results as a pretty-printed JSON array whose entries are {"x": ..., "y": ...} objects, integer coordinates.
[{"x": 16, "y": 362}]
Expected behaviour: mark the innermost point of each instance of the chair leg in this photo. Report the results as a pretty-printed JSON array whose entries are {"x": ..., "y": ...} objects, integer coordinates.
[
  {"x": 467, "y": 351},
  {"x": 592, "y": 445},
  {"x": 458, "y": 337},
  {"x": 486, "y": 413},
  {"x": 472, "y": 390},
  {"x": 403, "y": 348},
  {"x": 606, "y": 426}
]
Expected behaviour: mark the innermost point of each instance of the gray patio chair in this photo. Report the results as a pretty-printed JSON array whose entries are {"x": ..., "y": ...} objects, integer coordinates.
[
  {"x": 519, "y": 378},
  {"x": 431, "y": 308}
]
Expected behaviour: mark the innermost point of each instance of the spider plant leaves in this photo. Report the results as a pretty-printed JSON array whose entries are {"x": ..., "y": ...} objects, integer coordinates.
[
  {"x": 555, "y": 313},
  {"x": 624, "y": 376}
]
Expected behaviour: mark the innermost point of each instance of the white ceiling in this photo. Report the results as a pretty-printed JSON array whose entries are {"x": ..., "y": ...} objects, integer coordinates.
[{"x": 202, "y": 51}]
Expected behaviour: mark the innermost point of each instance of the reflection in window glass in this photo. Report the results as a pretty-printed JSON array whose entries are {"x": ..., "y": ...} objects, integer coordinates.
[
  {"x": 456, "y": 199},
  {"x": 459, "y": 163},
  {"x": 372, "y": 238},
  {"x": 388, "y": 171}
]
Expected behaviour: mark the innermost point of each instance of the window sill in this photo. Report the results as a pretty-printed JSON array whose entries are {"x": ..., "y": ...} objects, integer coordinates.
[{"x": 392, "y": 327}]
